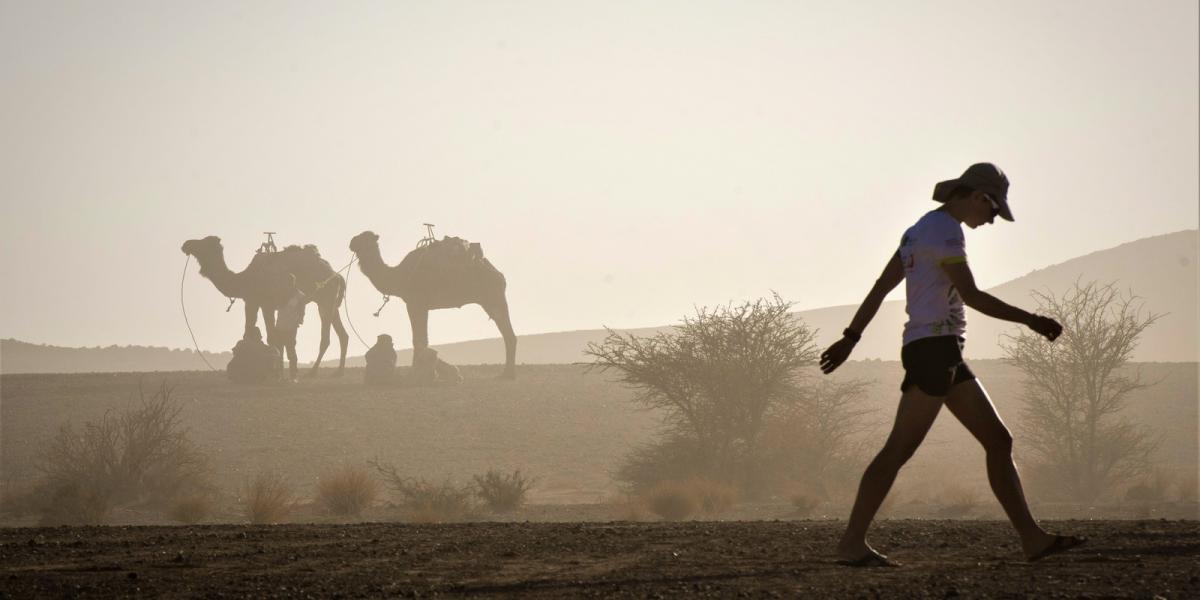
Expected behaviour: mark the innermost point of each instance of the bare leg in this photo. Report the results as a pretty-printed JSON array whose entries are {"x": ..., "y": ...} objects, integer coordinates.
[
  {"x": 914, "y": 417},
  {"x": 291, "y": 355},
  {"x": 970, "y": 404},
  {"x": 498, "y": 311}
]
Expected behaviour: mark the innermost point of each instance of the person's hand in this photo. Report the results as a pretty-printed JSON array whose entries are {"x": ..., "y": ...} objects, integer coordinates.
[
  {"x": 835, "y": 355},
  {"x": 1046, "y": 327}
]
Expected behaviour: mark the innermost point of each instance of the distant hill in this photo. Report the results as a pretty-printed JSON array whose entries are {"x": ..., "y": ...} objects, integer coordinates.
[
  {"x": 22, "y": 357},
  {"x": 1162, "y": 270}
]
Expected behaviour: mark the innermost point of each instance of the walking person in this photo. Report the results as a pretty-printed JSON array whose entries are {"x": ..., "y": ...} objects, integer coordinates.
[{"x": 932, "y": 261}]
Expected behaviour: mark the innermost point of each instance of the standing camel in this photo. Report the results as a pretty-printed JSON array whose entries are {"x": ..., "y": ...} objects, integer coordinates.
[
  {"x": 272, "y": 282},
  {"x": 427, "y": 280}
]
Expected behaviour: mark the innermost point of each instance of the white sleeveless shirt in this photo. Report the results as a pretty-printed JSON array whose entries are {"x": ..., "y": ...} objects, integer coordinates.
[{"x": 933, "y": 305}]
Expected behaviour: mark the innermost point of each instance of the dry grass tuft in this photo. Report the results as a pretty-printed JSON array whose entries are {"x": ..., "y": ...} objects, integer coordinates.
[
  {"x": 672, "y": 500},
  {"x": 190, "y": 509},
  {"x": 267, "y": 499},
  {"x": 347, "y": 492},
  {"x": 426, "y": 502},
  {"x": 502, "y": 493}
]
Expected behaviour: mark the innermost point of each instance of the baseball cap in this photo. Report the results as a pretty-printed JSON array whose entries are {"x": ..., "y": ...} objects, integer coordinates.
[{"x": 985, "y": 177}]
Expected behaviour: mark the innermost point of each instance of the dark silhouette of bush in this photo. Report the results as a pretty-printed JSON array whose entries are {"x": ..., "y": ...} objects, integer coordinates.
[
  {"x": 140, "y": 456},
  {"x": 502, "y": 493},
  {"x": 1073, "y": 436}
]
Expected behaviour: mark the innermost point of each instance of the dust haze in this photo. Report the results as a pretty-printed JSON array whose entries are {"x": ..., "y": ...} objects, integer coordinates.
[{"x": 522, "y": 265}]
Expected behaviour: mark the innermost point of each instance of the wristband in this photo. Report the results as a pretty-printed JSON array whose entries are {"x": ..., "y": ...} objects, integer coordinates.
[{"x": 852, "y": 334}]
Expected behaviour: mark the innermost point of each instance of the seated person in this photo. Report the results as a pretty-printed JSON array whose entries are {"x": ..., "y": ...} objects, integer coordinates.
[
  {"x": 253, "y": 361},
  {"x": 381, "y": 362},
  {"x": 429, "y": 368}
]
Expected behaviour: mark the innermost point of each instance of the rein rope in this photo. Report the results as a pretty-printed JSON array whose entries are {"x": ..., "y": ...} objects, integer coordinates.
[
  {"x": 185, "y": 317},
  {"x": 346, "y": 301}
]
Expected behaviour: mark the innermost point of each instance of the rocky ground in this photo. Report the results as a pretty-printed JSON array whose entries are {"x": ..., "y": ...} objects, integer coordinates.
[{"x": 941, "y": 559}]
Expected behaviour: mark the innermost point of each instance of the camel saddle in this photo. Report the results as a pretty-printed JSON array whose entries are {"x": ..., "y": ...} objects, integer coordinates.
[{"x": 451, "y": 252}]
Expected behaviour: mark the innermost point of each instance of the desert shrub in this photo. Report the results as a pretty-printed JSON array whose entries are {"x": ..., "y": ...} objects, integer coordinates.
[
  {"x": 815, "y": 440},
  {"x": 268, "y": 498},
  {"x": 75, "y": 503},
  {"x": 714, "y": 497},
  {"x": 1073, "y": 430},
  {"x": 1152, "y": 489},
  {"x": 735, "y": 402},
  {"x": 347, "y": 491},
  {"x": 191, "y": 508},
  {"x": 674, "y": 457},
  {"x": 502, "y": 493},
  {"x": 672, "y": 500},
  {"x": 141, "y": 455},
  {"x": 716, "y": 379},
  {"x": 426, "y": 502}
]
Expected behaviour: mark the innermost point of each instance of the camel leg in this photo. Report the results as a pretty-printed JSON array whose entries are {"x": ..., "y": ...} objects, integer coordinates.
[
  {"x": 418, "y": 319},
  {"x": 343, "y": 339},
  {"x": 251, "y": 316},
  {"x": 269, "y": 328},
  {"x": 324, "y": 337},
  {"x": 498, "y": 311}
]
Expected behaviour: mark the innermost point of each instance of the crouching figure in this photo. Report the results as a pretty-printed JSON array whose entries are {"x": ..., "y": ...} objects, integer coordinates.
[
  {"x": 429, "y": 368},
  {"x": 381, "y": 362},
  {"x": 253, "y": 361}
]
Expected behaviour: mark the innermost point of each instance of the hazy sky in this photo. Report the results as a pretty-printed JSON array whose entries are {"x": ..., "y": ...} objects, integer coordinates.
[{"x": 620, "y": 162}]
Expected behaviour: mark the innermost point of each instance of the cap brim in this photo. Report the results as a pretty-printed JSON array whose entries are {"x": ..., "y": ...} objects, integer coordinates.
[{"x": 1005, "y": 212}]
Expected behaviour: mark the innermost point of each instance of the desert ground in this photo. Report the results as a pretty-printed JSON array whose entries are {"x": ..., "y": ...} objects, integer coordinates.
[
  {"x": 569, "y": 428},
  {"x": 940, "y": 559}
]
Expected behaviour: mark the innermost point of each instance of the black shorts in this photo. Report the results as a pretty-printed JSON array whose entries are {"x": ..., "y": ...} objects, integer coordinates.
[{"x": 934, "y": 364}]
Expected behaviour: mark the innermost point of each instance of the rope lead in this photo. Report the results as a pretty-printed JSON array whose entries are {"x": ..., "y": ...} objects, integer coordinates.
[{"x": 185, "y": 317}]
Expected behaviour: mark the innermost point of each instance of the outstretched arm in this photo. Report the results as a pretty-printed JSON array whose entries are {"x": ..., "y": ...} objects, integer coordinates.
[
  {"x": 892, "y": 275},
  {"x": 964, "y": 281}
]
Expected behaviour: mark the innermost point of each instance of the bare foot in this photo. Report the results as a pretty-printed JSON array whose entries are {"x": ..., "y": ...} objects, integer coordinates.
[
  {"x": 850, "y": 551},
  {"x": 869, "y": 559},
  {"x": 1055, "y": 545}
]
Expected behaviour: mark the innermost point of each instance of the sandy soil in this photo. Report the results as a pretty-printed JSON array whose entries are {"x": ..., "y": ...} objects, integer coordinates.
[{"x": 941, "y": 559}]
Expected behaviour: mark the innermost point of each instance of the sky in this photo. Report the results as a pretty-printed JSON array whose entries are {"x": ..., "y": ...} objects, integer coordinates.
[{"x": 621, "y": 162}]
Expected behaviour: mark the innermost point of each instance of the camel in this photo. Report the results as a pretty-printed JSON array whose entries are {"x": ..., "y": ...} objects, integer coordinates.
[
  {"x": 283, "y": 281},
  {"x": 426, "y": 282}
]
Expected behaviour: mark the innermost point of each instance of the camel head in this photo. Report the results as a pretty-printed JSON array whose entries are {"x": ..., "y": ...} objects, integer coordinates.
[
  {"x": 364, "y": 241},
  {"x": 203, "y": 249}
]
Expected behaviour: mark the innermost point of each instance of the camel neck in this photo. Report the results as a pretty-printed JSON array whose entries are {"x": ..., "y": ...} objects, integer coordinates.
[
  {"x": 371, "y": 262},
  {"x": 226, "y": 281}
]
